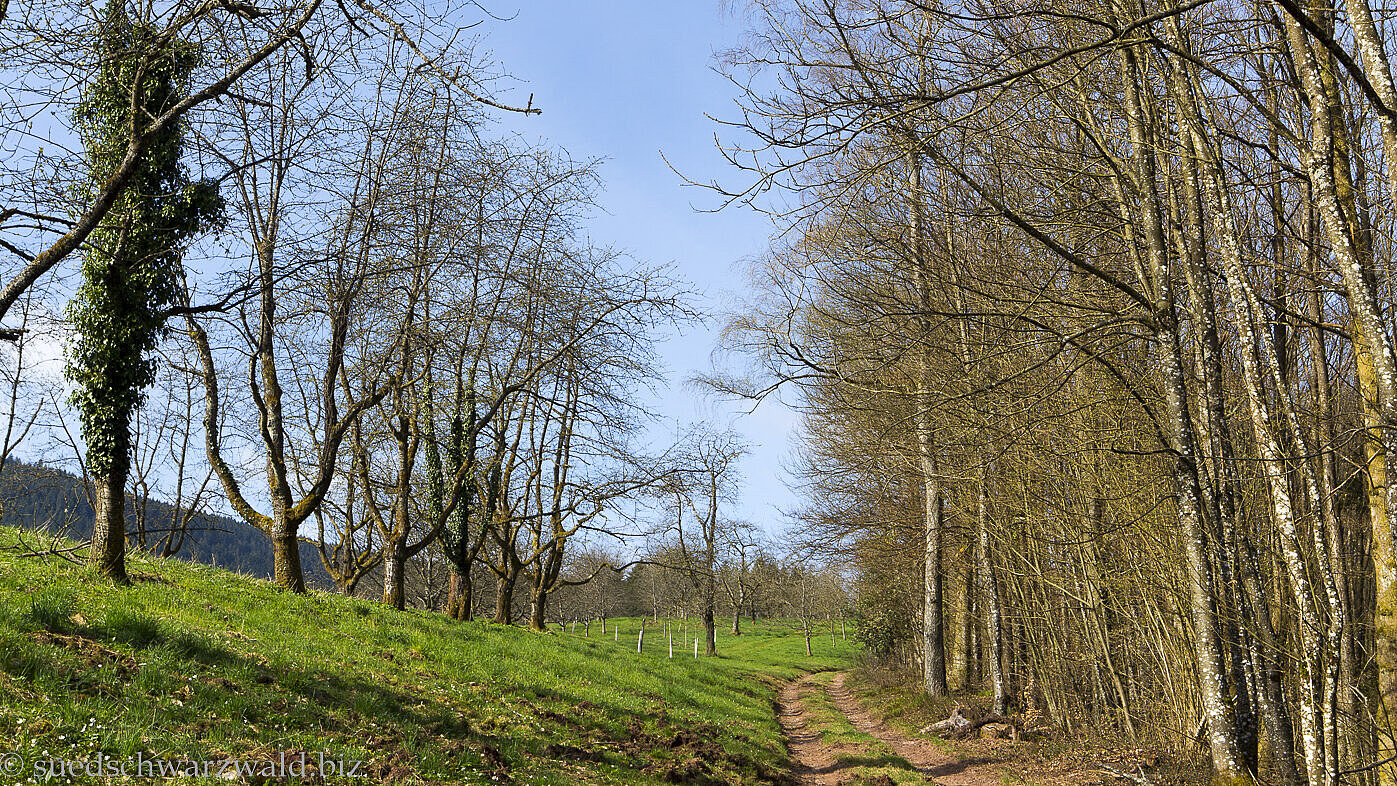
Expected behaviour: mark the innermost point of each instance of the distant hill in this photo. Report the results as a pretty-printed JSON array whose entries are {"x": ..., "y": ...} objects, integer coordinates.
[{"x": 43, "y": 498}]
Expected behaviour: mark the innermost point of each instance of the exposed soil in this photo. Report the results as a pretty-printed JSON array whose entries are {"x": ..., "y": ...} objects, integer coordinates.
[
  {"x": 818, "y": 763},
  {"x": 973, "y": 762},
  {"x": 814, "y": 760},
  {"x": 941, "y": 766}
]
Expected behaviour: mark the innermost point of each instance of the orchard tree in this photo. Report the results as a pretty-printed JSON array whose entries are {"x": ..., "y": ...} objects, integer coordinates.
[
  {"x": 703, "y": 483},
  {"x": 132, "y": 270}
]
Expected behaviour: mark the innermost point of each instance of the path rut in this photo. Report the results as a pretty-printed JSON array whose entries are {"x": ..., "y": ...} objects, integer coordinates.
[{"x": 817, "y": 763}]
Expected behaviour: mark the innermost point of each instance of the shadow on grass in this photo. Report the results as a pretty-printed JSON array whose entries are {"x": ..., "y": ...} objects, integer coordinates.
[
  {"x": 885, "y": 760},
  {"x": 260, "y": 691},
  {"x": 142, "y": 633}
]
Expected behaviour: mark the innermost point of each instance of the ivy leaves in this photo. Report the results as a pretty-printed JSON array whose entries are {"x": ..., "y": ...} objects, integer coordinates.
[{"x": 131, "y": 267}]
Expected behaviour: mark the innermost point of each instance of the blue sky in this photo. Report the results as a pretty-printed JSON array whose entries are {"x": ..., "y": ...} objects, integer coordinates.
[{"x": 628, "y": 81}]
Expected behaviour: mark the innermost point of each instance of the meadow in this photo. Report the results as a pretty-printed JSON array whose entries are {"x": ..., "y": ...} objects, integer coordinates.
[{"x": 195, "y": 664}]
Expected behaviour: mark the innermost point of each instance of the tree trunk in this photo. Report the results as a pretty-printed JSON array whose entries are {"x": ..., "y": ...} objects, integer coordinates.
[
  {"x": 1372, "y": 345},
  {"x": 1202, "y": 593},
  {"x": 286, "y": 555},
  {"x": 108, "y": 552},
  {"x": 394, "y": 565},
  {"x": 989, "y": 594},
  {"x": 504, "y": 600},
  {"x": 1378, "y": 442},
  {"x": 968, "y": 612},
  {"x": 933, "y": 633},
  {"x": 460, "y": 591},
  {"x": 1212, "y": 677},
  {"x": 710, "y": 629},
  {"x": 538, "y": 608},
  {"x": 1273, "y": 466},
  {"x": 1218, "y": 479},
  {"x": 933, "y": 630},
  {"x": 1255, "y": 644}
]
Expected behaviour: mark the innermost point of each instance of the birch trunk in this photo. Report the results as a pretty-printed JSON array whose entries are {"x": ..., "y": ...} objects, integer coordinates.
[
  {"x": 989, "y": 595},
  {"x": 1212, "y": 677},
  {"x": 933, "y": 630},
  {"x": 1372, "y": 344}
]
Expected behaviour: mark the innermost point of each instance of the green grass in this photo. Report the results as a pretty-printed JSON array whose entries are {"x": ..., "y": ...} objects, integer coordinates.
[
  {"x": 195, "y": 663},
  {"x": 774, "y": 648},
  {"x": 835, "y": 728}
]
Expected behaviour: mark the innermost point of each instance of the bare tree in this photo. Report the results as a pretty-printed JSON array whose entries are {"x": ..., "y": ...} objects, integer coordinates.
[
  {"x": 702, "y": 482},
  {"x": 742, "y": 550},
  {"x": 46, "y": 62}
]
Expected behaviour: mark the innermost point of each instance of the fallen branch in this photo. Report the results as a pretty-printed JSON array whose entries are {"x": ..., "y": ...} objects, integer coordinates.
[
  {"x": 943, "y": 727},
  {"x": 27, "y": 551},
  {"x": 1142, "y": 778},
  {"x": 971, "y": 728}
]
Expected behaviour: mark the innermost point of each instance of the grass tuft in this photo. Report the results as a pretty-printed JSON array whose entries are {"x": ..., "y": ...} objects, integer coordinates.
[
  {"x": 129, "y": 627},
  {"x": 52, "y": 609}
]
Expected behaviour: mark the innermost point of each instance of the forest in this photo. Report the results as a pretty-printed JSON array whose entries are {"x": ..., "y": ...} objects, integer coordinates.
[{"x": 1084, "y": 312}]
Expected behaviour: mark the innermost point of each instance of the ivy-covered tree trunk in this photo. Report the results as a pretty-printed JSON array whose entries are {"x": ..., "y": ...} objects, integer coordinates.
[
  {"x": 460, "y": 596},
  {"x": 459, "y": 542},
  {"x": 131, "y": 266}
]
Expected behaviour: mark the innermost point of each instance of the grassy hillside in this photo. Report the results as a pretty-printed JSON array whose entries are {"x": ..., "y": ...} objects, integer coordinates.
[{"x": 197, "y": 663}]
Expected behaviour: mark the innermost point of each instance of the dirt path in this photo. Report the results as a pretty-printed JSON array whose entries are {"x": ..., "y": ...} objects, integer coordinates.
[
  {"x": 815, "y": 761},
  {"x": 818, "y": 763},
  {"x": 941, "y": 766}
]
